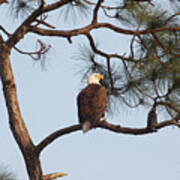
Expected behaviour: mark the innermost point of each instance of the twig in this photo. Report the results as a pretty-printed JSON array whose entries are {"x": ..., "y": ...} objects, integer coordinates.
[
  {"x": 45, "y": 24},
  {"x": 36, "y": 55},
  {"x": 129, "y": 105},
  {"x": 171, "y": 17},
  {"x": 105, "y": 7},
  {"x": 110, "y": 73},
  {"x": 131, "y": 46}
]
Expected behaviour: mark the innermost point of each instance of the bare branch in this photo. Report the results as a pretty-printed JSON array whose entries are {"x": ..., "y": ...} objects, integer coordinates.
[
  {"x": 108, "y": 126},
  {"x": 128, "y": 104},
  {"x": 54, "y": 176},
  {"x": 55, "y": 5},
  {"x": 36, "y": 55},
  {"x": 45, "y": 24},
  {"x": 4, "y": 30},
  {"x": 49, "y": 139},
  {"x": 87, "y": 29},
  {"x": 171, "y": 17},
  {"x": 95, "y": 13},
  {"x": 131, "y": 46},
  {"x": 135, "y": 131},
  {"x": 76, "y": 32},
  {"x": 170, "y": 105}
]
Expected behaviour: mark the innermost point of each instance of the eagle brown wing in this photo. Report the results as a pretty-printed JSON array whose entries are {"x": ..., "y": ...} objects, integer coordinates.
[{"x": 92, "y": 102}]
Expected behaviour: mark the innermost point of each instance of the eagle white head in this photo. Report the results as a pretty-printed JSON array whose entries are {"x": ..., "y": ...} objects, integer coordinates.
[{"x": 95, "y": 78}]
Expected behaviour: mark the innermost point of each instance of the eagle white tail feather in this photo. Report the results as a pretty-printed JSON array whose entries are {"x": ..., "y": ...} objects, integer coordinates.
[{"x": 86, "y": 126}]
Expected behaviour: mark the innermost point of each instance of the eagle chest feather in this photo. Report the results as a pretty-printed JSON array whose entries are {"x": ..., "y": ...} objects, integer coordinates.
[{"x": 92, "y": 102}]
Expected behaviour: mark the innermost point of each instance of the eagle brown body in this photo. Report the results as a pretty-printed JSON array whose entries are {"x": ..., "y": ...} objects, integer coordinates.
[{"x": 92, "y": 102}]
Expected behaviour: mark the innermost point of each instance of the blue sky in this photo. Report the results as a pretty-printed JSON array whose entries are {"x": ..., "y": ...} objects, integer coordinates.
[{"x": 47, "y": 100}]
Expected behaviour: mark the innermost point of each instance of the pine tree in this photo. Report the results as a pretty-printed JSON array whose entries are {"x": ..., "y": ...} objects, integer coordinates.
[{"x": 147, "y": 75}]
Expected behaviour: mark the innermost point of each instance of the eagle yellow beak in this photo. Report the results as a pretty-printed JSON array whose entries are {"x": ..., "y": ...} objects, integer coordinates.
[{"x": 101, "y": 76}]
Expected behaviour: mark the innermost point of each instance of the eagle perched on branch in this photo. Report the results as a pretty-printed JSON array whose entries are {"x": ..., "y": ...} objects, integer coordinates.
[{"x": 92, "y": 102}]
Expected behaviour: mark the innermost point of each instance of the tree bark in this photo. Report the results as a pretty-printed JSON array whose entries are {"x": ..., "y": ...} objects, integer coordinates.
[{"x": 17, "y": 125}]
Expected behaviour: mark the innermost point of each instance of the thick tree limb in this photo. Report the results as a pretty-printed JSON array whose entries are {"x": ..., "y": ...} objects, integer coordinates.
[
  {"x": 76, "y": 32},
  {"x": 49, "y": 139},
  {"x": 87, "y": 29},
  {"x": 16, "y": 121},
  {"x": 135, "y": 131},
  {"x": 108, "y": 126},
  {"x": 9, "y": 89}
]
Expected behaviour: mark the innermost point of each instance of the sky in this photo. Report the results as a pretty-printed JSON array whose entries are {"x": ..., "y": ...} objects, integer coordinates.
[{"x": 47, "y": 98}]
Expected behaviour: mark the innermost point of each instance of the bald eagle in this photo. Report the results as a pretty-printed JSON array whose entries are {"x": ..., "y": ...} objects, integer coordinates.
[{"x": 92, "y": 102}]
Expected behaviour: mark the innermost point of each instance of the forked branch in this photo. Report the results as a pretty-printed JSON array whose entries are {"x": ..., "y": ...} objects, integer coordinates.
[{"x": 36, "y": 55}]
